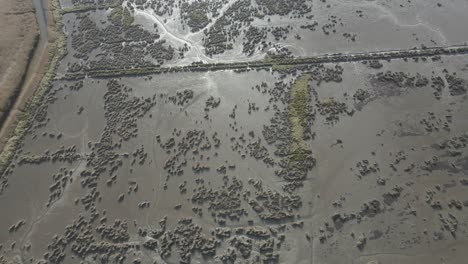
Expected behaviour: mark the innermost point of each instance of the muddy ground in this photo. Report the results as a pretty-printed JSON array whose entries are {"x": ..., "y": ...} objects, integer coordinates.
[{"x": 359, "y": 162}]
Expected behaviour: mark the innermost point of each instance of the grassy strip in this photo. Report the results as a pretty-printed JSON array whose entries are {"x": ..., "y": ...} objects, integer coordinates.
[
  {"x": 57, "y": 50},
  {"x": 278, "y": 64},
  {"x": 10, "y": 103},
  {"x": 282, "y": 67},
  {"x": 86, "y": 8},
  {"x": 155, "y": 70},
  {"x": 77, "y": 9},
  {"x": 297, "y": 110}
]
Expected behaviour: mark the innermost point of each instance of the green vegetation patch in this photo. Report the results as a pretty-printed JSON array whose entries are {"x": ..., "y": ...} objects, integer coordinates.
[
  {"x": 121, "y": 16},
  {"x": 297, "y": 109},
  {"x": 283, "y": 67},
  {"x": 198, "y": 20}
]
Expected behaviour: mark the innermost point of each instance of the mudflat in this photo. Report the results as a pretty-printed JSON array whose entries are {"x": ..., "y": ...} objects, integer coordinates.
[{"x": 243, "y": 131}]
